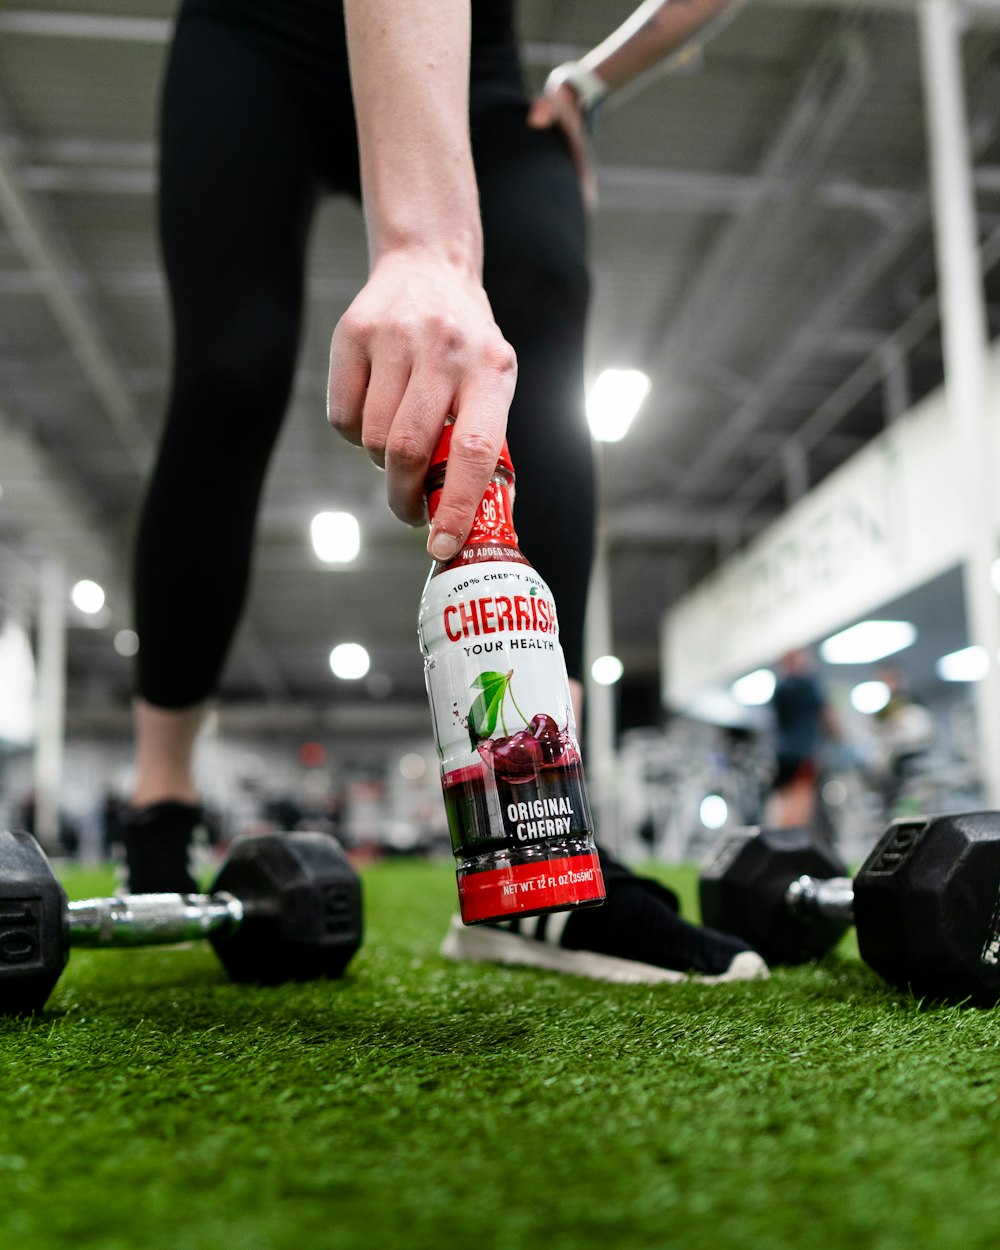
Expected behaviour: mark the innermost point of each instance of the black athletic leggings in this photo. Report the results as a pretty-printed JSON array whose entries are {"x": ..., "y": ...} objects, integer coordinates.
[{"x": 257, "y": 125}]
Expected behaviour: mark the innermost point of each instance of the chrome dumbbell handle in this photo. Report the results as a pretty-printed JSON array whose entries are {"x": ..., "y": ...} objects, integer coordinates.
[
  {"x": 832, "y": 897},
  {"x": 151, "y": 919}
]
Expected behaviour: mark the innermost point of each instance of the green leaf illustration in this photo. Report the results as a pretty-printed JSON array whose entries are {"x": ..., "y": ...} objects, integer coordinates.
[
  {"x": 490, "y": 678},
  {"x": 484, "y": 711}
]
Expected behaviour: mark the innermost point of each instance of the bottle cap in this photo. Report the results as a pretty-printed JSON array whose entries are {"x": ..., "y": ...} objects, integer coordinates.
[{"x": 440, "y": 455}]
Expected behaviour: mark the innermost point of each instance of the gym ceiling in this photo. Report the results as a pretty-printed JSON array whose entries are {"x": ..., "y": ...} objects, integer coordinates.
[{"x": 762, "y": 248}]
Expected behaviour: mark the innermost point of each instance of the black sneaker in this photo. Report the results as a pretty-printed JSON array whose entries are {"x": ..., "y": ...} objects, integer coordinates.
[
  {"x": 158, "y": 841},
  {"x": 636, "y": 936}
]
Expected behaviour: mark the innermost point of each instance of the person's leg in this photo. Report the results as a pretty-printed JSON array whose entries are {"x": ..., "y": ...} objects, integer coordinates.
[
  {"x": 236, "y": 195},
  {"x": 793, "y": 799}
]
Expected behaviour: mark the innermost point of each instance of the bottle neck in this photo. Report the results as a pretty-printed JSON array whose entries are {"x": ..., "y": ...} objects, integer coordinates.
[{"x": 492, "y": 536}]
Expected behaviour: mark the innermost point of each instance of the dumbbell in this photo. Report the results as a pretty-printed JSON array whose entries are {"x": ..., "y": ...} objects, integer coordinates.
[
  {"x": 283, "y": 907},
  {"x": 925, "y": 903}
]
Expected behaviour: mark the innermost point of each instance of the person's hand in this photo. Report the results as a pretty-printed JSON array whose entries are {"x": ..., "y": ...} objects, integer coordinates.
[
  {"x": 559, "y": 106},
  {"x": 418, "y": 343}
]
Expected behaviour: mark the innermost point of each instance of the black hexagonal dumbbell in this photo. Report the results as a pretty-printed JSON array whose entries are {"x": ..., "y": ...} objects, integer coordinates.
[
  {"x": 925, "y": 903},
  {"x": 283, "y": 907}
]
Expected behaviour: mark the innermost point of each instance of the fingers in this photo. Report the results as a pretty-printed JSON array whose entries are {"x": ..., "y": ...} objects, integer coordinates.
[
  {"x": 350, "y": 369},
  {"x": 480, "y": 425},
  {"x": 420, "y": 343},
  {"x": 542, "y": 113},
  {"x": 410, "y": 441},
  {"x": 561, "y": 108}
]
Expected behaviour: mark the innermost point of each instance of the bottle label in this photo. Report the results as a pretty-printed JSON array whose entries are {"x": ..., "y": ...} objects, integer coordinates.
[
  {"x": 492, "y": 536},
  {"x": 500, "y": 701}
]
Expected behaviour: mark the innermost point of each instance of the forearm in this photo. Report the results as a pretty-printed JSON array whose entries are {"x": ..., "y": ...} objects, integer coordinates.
[
  {"x": 410, "y": 73},
  {"x": 656, "y": 29}
]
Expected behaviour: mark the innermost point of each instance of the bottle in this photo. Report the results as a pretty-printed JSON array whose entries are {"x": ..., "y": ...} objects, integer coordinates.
[{"x": 514, "y": 792}]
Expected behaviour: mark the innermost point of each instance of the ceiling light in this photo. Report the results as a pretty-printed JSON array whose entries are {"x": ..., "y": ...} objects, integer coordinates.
[
  {"x": 614, "y": 399},
  {"x": 349, "y": 661},
  {"x": 126, "y": 642},
  {"x": 412, "y": 766},
  {"x": 88, "y": 597},
  {"x": 606, "y": 670},
  {"x": 867, "y": 642},
  {"x": 336, "y": 537},
  {"x": 755, "y": 689},
  {"x": 870, "y": 697},
  {"x": 969, "y": 664},
  {"x": 995, "y": 575},
  {"x": 714, "y": 811}
]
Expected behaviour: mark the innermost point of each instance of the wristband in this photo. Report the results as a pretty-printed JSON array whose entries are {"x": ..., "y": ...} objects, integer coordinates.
[{"x": 589, "y": 87}]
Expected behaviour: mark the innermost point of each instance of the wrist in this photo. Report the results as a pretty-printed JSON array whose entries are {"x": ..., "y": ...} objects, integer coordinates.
[
  {"x": 459, "y": 250},
  {"x": 586, "y": 84}
]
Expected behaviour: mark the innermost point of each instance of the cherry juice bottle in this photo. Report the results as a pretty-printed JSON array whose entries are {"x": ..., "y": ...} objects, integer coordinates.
[{"x": 514, "y": 791}]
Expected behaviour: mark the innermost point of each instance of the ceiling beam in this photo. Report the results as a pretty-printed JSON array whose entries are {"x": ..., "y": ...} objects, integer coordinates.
[
  {"x": 860, "y": 382},
  {"x": 46, "y": 260},
  {"x": 826, "y": 100}
]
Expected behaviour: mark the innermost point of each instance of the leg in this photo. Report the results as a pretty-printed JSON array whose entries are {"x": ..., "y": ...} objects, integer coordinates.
[
  {"x": 536, "y": 278},
  {"x": 236, "y": 194},
  {"x": 792, "y": 803}
]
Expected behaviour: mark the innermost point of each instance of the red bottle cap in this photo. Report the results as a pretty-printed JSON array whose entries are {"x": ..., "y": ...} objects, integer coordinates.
[{"x": 440, "y": 456}]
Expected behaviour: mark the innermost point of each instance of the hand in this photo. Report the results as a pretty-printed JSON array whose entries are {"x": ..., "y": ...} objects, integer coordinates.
[
  {"x": 560, "y": 107},
  {"x": 418, "y": 343}
]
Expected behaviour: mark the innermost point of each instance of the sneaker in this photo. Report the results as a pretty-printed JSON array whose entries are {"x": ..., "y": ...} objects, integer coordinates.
[
  {"x": 635, "y": 937},
  {"x": 158, "y": 841}
]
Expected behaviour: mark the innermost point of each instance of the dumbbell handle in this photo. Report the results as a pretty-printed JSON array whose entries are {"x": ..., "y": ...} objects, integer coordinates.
[
  {"x": 832, "y": 897},
  {"x": 151, "y": 919}
]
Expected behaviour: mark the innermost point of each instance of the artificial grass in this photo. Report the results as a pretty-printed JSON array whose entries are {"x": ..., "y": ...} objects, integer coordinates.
[{"x": 419, "y": 1103}]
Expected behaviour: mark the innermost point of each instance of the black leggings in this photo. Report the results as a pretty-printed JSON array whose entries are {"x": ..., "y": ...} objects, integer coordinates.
[{"x": 256, "y": 126}]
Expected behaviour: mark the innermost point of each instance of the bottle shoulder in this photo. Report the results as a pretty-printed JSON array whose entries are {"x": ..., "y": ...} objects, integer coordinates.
[{"x": 484, "y": 552}]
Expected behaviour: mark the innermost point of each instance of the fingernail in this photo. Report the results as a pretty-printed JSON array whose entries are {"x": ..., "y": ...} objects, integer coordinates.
[{"x": 442, "y": 546}]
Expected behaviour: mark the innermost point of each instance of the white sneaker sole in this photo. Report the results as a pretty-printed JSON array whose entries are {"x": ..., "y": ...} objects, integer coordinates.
[{"x": 484, "y": 944}]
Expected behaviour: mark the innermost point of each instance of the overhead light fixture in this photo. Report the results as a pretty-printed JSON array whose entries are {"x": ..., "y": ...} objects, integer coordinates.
[
  {"x": 606, "y": 670},
  {"x": 349, "y": 661},
  {"x": 870, "y": 697},
  {"x": 613, "y": 402},
  {"x": 755, "y": 689},
  {"x": 126, "y": 642},
  {"x": 412, "y": 766},
  {"x": 868, "y": 641},
  {"x": 969, "y": 664},
  {"x": 88, "y": 597},
  {"x": 336, "y": 537},
  {"x": 714, "y": 811}
]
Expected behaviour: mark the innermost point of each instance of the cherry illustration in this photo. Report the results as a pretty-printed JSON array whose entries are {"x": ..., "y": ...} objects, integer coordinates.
[
  {"x": 517, "y": 758},
  {"x": 545, "y": 732}
]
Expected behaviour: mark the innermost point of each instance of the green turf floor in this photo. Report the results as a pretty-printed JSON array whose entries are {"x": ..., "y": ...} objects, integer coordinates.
[{"x": 419, "y": 1103}]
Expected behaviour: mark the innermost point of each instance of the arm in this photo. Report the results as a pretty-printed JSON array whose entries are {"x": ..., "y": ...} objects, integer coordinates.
[
  {"x": 645, "y": 39},
  {"x": 419, "y": 341}
]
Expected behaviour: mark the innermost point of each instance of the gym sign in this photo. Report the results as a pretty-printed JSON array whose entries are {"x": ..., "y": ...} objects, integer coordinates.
[{"x": 884, "y": 523}]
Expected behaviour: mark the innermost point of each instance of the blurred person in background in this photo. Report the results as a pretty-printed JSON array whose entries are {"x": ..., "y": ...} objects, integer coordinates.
[
  {"x": 905, "y": 731},
  {"x": 803, "y": 719}
]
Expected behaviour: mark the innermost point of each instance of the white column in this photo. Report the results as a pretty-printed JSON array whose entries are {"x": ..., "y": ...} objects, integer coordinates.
[
  {"x": 51, "y": 714},
  {"x": 964, "y": 338},
  {"x": 599, "y": 705}
]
